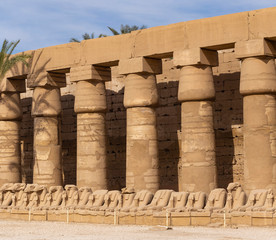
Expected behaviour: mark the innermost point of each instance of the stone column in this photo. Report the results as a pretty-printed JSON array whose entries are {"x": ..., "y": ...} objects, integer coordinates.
[
  {"x": 140, "y": 98},
  {"x": 10, "y": 117},
  {"x": 46, "y": 109},
  {"x": 197, "y": 165},
  {"x": 90, "y": 106},
  {"x": 258, "y": 87}
]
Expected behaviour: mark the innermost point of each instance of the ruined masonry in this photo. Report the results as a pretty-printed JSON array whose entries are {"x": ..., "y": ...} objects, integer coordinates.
[{"x": 171, "y": 125}]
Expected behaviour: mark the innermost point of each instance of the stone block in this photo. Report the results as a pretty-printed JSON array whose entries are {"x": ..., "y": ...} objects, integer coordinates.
[
  {"x": 42, "y": 79},
  {"x": 195, "y": 56},
  {"x": 262, "y": 219},
  {"x": 140, "y": 65},
  {"x": 241, "y": 219},
  {"x": 12, "y": 85},
  {"x": 90, "y": 72},
  {"x": 181, "y": 219},
  {"x": 126, "y": 219},
  {"x": 106, "y": 51},
  {"x": 259, "y": 23},
  {"x": 255, "y": 48},
  {"x": 200, "y": 218}
]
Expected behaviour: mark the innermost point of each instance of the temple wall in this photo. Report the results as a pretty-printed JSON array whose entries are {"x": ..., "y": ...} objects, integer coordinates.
[{"x": 227, "y": 123}]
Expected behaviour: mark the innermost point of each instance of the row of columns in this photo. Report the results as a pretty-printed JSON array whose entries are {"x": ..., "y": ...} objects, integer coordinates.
[{"x": 197, "y": 164}]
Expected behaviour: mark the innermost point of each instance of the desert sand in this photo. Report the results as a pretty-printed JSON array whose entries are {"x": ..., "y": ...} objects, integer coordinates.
[{"x": 81, "y": 231}]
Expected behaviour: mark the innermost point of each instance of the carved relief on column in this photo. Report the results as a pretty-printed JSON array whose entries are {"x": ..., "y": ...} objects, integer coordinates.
[
  {"x": 10, "y": 117},
  {"x": 46, "y": 110},
  {"x": 197, "y": 165},
  {"x": 258, "y": 87},
  {"x": 90, "y": 106},
  {"x": 140, "y": 99}
]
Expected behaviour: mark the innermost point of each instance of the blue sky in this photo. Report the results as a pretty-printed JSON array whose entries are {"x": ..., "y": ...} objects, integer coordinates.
[{"x": 42, "y": 23}]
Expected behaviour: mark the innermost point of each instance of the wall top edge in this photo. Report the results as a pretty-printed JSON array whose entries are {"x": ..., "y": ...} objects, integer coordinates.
[{"x": 215, "y": 33}]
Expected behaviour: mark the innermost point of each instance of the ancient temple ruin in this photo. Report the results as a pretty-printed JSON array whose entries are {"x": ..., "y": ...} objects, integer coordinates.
[{"x": 174, "y": 124}]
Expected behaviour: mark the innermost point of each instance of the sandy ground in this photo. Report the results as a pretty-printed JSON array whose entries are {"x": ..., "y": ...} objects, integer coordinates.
[{"x": 81, "y": 231}]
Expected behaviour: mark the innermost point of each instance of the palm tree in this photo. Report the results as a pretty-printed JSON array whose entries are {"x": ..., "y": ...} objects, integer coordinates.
[
  {"x": 7, "y": 61},
  {"x": 126, "y": 29},
  {"x": 86, "y": 36}
]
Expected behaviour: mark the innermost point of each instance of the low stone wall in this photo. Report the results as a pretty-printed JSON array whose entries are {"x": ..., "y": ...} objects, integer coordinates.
[{"x": 172, "y": 219}]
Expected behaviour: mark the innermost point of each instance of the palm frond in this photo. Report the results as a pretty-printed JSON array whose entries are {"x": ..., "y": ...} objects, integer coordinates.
[
  {"x": 113, "y": 31},
  {"x": 102, "y": 35},
  {"x": 125, "y": 28},
  {"x": 86, "y": 36},
  {"x": 6, "y": 60},
  {"x": 74, "y": 40}
]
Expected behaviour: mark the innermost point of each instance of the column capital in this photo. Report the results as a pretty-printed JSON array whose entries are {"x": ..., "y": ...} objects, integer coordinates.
[
  {"x": 46, "y": 102},
  {"x": 90, "y": 97},
  {"x": 140, "y": 65},
  {"x": 255, "y": 48},
  {"x": 195, "y": 56},
  {"x": 90, "y": 72}
]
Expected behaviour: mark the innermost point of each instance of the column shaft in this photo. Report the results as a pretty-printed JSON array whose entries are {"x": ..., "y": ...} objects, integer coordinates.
[
  {"x": 197, "y": 171},
  {"x": 142, "y": 149},
  {"x": 91, "y": 150},
  {"x": 10, "y": 152},
  {"x": 47, "y": 152},
  {"x": 197, "y": 166},
  {"x": 258, "y": 86},
  {"x": 90, "y": 106},
  {"x": 10, "y": 114},
  {"x": 142, "y": 168},
  {"x": 46, "y": 109}
]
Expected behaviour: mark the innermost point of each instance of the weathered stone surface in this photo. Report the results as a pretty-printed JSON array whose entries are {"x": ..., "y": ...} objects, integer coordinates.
[
  {"x": 13, "y": 85},
  {"x": 46, "y": 102},
  {"x": 177, "y": 201},
  {"x": 198, "y": 148},
  {"x": 259, "y": 141},
  {"x": 10, "y": 106},
  {"x": 90, "y": 97},
  {"x": 258, "y": 76},
  {"x": 47, "y": 152},
  {"x": 88, "y": 72},
  {"x": 46, "y": 79},
  {"x": 216, "y": 199},
  {"x": 10, "y": 152},
  {"x": 91, "y": 150},
  {"x": 142, "y": 151},
  {"x": 195, "y": 56},
  {"x": 196, "y": 83},
  {"x": 235, "y": 197},
  {"x": 140, "y": 90},
  {"x": 47, "y": 168},
  {"x": 90, "y": 106},
  {"x": 197, "y": 157},
  {"x": 140, "y": 65},
  {"x": 254, "y": 48},
  {"x": 258, "y": 85}
]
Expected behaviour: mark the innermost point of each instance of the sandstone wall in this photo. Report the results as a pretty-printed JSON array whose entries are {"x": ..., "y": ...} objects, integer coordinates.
[{"x": 227, "y": 121}]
